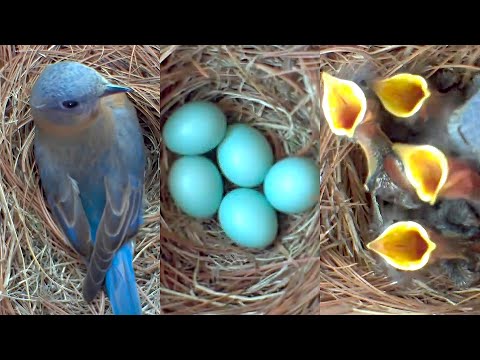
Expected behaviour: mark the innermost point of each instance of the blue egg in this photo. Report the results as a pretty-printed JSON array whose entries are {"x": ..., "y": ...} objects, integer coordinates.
[
  {"x": 196, "y": 186},
  {"x": 195, "y": 128},
  {"x": 293, "y": 185},
  {"x": 248, "y": 219},
  {"x": 244, "y": 155}
]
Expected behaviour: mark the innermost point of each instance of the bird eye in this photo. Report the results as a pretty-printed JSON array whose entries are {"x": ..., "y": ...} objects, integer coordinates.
[{"x": 69, "y": 104}]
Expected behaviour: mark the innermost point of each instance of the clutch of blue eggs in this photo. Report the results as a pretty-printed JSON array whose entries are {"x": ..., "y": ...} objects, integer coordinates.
[{"x": 245, "y": 158}]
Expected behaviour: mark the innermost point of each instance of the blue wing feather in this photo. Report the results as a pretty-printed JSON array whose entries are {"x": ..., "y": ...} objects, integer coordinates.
[{"x": 124, "y": 160}]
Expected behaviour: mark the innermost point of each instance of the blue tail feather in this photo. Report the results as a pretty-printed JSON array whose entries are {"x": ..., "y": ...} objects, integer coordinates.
[{"x": 120, "y": 283}]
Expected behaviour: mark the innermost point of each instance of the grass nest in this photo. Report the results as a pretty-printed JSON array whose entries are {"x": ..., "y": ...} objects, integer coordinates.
[
  {"x": 39, "y": 272},
  {"x": 274, "y": 89},
  {"x": 352, "y": 281}
]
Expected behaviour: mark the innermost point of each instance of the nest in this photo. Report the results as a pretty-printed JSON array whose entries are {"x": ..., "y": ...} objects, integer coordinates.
[
  {"x": 351, "y": 280},
  {"x": 274, "y": 89},
  {"x": 39, "y": 272}
]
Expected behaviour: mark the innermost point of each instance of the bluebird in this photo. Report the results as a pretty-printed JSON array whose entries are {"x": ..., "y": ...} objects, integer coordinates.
[{"x": 90, "y": 154}]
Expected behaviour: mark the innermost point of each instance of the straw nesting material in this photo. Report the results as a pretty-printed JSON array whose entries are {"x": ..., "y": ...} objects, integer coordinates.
[
  {"x": 274, "y": 89},
  {"x": 39, "y": 272}
]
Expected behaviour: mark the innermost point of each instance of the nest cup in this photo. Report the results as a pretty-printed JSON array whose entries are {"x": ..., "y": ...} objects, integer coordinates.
[
  {"x": 352, "y": 280},
  {"x": 39, "y": 272},
  {"x": 202, "y": 271}
]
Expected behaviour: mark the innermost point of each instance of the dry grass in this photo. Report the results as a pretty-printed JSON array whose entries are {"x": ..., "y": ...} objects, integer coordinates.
[
  {"x": 202, "y": 272},
  {"x": 39, "y": 272}
]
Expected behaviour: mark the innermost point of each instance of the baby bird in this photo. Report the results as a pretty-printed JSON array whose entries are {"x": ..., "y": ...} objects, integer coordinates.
[
  {"x": 349, "y": 114},
  {"x": 397, "y": 169},
  {"x": 434, "y": 175},
  {"x": 416, "y": 107},
  {"x": 411, "y": 246},
  {"x": 435, "y": 228},
  {"x": 90, "y": 153},
  {"x": 403, "y": 95},
  {"x": 451, "y": 218}
]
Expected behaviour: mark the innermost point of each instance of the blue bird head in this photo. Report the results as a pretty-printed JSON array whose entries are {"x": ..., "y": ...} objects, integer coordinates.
[{"x": 67, "y": 93}]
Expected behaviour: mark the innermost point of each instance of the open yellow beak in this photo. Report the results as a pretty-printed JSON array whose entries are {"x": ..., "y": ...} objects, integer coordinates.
[
  {"x": 344, "y": 105},
  {"x": 402, "y": 95},
  {"x": 404, "y": 245},
  {"x": 426, "y": 168}
]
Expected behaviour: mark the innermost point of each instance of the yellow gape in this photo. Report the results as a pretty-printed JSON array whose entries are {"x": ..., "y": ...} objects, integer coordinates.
[
  {"x": 344, "y": 105},
  {"x": 426, "y": 168},
  {"x": 404, "y": 245},
  {"x": 402, "y": 95}
]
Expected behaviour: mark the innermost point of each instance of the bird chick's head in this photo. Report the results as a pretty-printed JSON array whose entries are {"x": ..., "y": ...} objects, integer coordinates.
[
  {"x": 405, "y": 245},
  {"x": 67, "y": 93},
  {"x": 402, "y": 95},
  {"x": 426, "y": 168},
  {"x": 344, "y": 105}
]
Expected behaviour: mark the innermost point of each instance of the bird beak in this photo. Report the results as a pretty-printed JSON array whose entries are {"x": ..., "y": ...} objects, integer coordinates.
[
  {"x": 344, "y": 105},
  {"x": 426, "y": 168},
  {"x": 111, "y": 89},
  {"x": 402, "y": 95},
  {"x": 405, "y": 245}
]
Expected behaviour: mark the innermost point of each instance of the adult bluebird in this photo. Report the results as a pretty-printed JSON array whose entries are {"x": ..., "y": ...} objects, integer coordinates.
[{"x": 90, "y": 153}]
